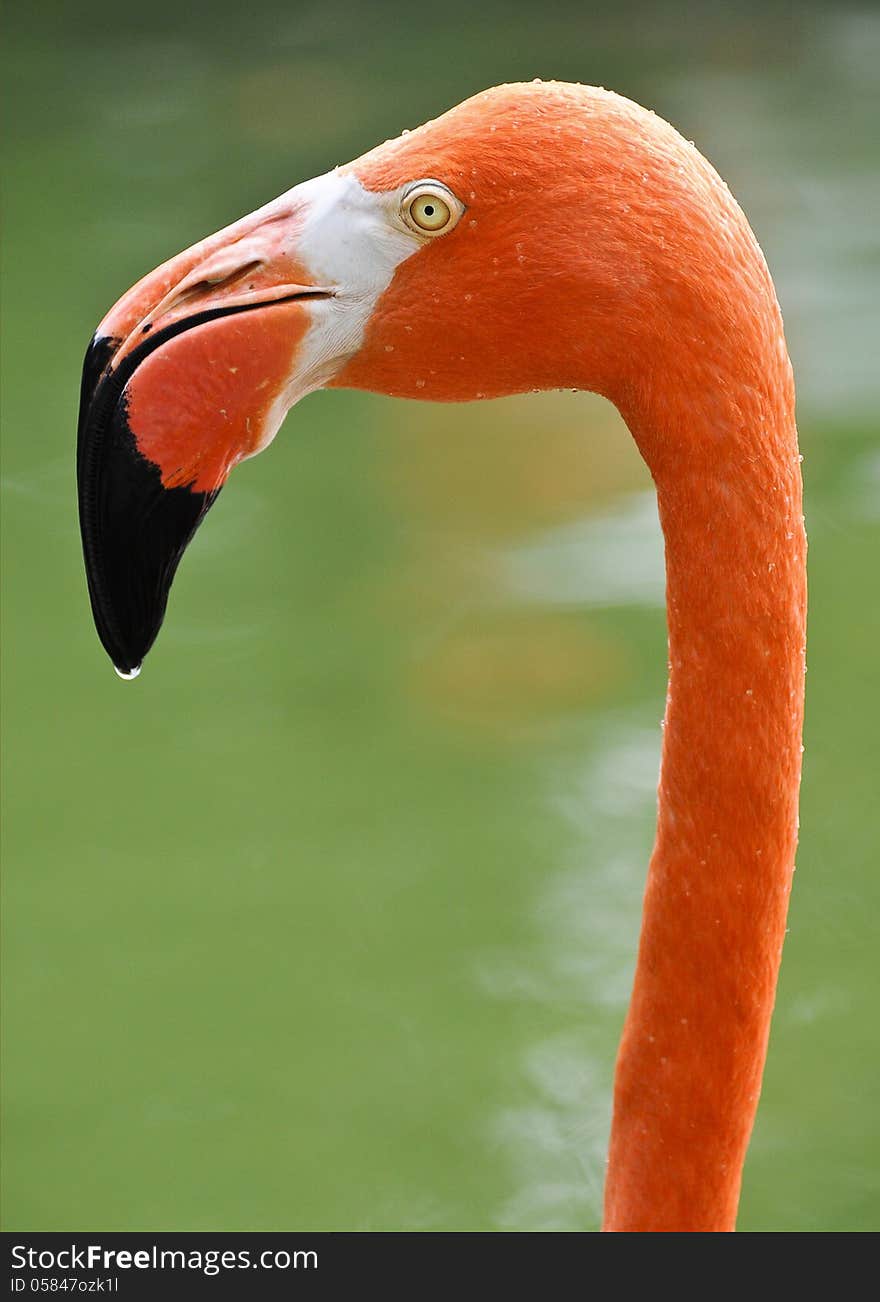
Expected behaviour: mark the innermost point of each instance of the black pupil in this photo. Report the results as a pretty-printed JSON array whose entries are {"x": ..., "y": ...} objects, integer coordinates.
[{"x": 429, "y": 210}]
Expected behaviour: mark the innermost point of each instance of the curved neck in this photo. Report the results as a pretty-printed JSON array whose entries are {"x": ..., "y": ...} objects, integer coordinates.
[{"x": 688, "y": 1075}]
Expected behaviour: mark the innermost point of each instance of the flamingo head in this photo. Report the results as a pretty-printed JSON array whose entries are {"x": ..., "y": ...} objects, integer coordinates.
[{"x": 519, "y": 242}]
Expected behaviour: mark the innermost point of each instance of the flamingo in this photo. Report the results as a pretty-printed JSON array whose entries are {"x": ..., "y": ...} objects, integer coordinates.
[{"x": 536, "y": 236}]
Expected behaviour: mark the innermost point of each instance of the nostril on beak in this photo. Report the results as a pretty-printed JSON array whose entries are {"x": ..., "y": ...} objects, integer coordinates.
[
  {"x": 210, "y": 284},
  {"x": 195, "y": 287},
  {"x": 199, "y": 284},
  {"x": 231, "y": 277}
]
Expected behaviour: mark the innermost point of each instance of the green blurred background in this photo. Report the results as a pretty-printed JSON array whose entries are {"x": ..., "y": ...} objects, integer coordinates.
[{"x": 328, "y": 922}]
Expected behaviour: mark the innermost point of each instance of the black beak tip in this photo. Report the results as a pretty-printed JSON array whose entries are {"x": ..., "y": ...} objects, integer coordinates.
[{"x": 134, "y": 529}]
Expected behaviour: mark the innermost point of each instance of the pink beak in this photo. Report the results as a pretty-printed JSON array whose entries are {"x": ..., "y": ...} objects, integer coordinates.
[{"x": 185, "y": 377}]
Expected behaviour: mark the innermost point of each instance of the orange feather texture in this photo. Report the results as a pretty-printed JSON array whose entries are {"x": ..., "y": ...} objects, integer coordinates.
[{"x": 599, "y": 250}]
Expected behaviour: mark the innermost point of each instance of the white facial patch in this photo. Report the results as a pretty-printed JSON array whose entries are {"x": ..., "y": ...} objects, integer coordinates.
[{"x": 352, "y": 240}]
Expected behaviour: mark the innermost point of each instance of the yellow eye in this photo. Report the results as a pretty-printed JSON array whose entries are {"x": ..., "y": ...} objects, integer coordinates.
[
  {"x": 429, "y": 208},
  {"x": 430, "y": 212}
]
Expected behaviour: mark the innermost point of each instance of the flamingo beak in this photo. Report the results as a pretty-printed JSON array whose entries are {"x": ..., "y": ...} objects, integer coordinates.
[{"x": 191, "y": 372}]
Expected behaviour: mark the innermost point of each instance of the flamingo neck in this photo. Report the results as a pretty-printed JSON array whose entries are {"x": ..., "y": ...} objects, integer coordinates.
[{"x": 689, "y": 1069}]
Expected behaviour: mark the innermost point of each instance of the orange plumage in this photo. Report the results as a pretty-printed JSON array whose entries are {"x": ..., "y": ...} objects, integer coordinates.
[{"x": 598, "y": 250}]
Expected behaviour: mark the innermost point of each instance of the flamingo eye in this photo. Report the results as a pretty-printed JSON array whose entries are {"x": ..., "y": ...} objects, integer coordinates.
[{"x": 429, "y": 208}]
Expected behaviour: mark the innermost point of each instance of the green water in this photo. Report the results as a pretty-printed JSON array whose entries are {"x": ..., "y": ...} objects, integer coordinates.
[{"x": 328, "y": 921}]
